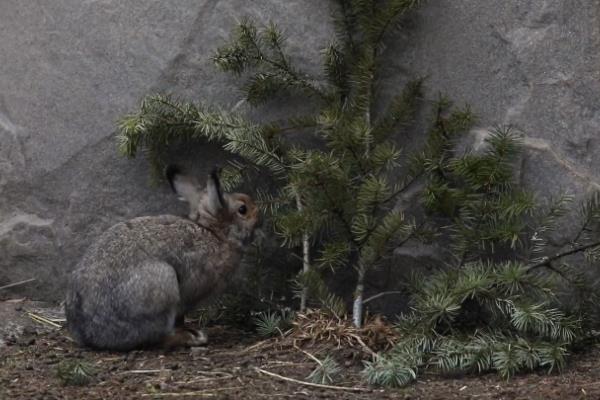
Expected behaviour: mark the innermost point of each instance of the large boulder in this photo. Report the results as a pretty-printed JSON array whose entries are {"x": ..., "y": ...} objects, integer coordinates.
[{"x": 70, "y": 68}]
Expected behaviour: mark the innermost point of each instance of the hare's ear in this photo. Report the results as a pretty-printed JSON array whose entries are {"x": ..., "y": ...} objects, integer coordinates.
[
  {"x": 185, "y": 186},
  {"x": 215, "y": 203}
]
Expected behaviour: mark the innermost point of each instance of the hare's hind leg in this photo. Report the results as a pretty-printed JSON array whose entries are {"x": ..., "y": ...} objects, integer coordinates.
[
  {"x": 153, "y": 303},
  {"x": 183, "y": 337},
  {"x": 133, "y": 309}
]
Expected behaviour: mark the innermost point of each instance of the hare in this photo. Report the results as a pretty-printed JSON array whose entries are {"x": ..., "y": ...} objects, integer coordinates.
[{"x": 135, "y": 283}]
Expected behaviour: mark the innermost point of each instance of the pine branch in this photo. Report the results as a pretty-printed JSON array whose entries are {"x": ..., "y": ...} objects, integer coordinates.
[
  {"x": 401, "y": 111},
  {"x": 381, "y": 294},
  {"x": 590, "y": 211},
  {"x": 387, "y": 16},
  {"x": 558, "y": 272},
  {"x": 245, "y": 51},
  {"x": 545, "y": 261},
  {"x": 334, "y": 207},
  {"x": 403, "y": 188},
  {"x": 548, "y": 222},
  {"x": 348, "y": 24},
  {"x": 375, "y": 225}
]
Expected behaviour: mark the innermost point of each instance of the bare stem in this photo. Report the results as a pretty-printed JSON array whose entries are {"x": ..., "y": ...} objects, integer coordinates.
[
  {"x": 357, "y": 306},
  {"x": 305, "y": 255}
]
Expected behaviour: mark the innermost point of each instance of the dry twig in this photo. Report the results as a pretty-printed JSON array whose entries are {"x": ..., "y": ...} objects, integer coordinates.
[
  {"x": 309, "y": 355},
  {"x": 200, "y": 393},
  {"x": 144, "y": 371},
  {"x": 257, "y": 345},
  {"x": 317, "y": 385}
]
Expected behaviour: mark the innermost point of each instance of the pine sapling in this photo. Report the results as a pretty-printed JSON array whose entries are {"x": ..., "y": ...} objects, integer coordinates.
[{"x": 335, "y": 202}]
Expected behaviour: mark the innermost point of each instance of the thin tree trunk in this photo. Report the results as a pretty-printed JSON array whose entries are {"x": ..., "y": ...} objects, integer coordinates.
[
  {"x": 368, "y": 123},
  {"x": 305, "y": 256},
  {"x": 305, "y": 268},
  {"x": 357, "y": 306}
]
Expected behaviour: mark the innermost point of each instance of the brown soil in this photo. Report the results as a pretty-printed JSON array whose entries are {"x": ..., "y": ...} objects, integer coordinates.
[{"x": 227, "y": 369}]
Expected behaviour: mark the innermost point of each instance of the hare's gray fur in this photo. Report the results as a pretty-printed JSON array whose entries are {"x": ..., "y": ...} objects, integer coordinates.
[{"x": 143, "y": 275}]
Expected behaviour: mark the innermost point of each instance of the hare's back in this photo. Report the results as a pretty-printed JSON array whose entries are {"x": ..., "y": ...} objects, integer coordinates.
[{"x": 143, "y": 238}]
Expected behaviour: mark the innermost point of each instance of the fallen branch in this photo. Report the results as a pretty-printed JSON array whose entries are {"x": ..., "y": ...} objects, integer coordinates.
[
  {"x": 208, "y": 377},
  {"x": 144, "y": 371},
  {"x": 365, "y": 347},
  {"x": 201, "y": 393},
  {"x": 285, "y": 363},
  {"x": 315, "y": 359},
  {"x": 255, "y": 346},
  {"x": 10, "y": 285},
  {"x": 69, "y": 338},
  {"x": 317, "y": 385}
]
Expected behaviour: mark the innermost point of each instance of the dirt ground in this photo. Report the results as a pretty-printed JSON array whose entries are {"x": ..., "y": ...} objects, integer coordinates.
[{"x": 236, "y": 365}]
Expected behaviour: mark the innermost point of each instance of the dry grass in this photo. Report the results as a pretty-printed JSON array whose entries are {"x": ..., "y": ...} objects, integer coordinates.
[{"x": 316, "y": 327}]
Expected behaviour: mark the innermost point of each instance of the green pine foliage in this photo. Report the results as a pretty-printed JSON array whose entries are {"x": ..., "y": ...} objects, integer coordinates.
[
  {"x": 317, "y": 290},
  {"x": 273, "y": 323},
  {"x": 486, "y": 317},
  {"x": 477, "y": 192},
  {"x": 75, "y": 373},
  {"x": 391, "y": 371},
  {"x": 326, "y": 371},
  {"x": 262, "y": 287},
  {"x": 497, "y": 306}
]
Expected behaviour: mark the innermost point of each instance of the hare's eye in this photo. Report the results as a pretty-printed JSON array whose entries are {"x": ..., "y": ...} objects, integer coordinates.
[{"x": 242, "y": 210}]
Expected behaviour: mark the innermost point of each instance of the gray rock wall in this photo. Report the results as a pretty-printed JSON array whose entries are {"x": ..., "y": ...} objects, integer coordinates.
[
  {"x": 533, "y": 64},
  {"x": 70, "y": 68}
]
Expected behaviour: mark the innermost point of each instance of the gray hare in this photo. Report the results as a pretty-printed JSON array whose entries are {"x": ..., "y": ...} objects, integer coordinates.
[{"x": 135, "y": 283}]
